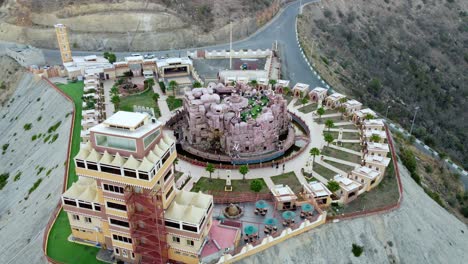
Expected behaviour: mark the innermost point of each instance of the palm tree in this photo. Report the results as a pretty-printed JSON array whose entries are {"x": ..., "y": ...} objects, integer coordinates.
[
  {"x": 156, "y": 97},
  {"x": 328, "y": 138},
  {"x": 369, "y": 116},
  {"x": 175, "y": 162},
  {"x": 210, "y": 168},
  {"x": 314, "y": 152},
  {"x": 116, "y": 101},
  {"x": 243, "y": 169},
  {"x": 114, "y": 90},
  {"x": 272, "y": 83},
  {"x": 304, "y": 100},
  {"x": 196, "y": 84},
  {"x": 320, "y": 112},
  {"x": 342, "y": 110},
  {"x": 286, "y": 90},
  {"x": 329, "y": 124},
  {"x": 253, "y": 83},
  {"x": 343, "y": 100},
  {"x": 173, "y": 85},
  {"x": 375, "y": 138},
  {"x": 333, "y": 186}
]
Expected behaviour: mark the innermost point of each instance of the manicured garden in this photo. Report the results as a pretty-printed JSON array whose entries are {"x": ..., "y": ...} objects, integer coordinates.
[
  {"x": 205, "y": 184},
  {"x": 327, "y": 151},
  {"x": 143, "y": 99},
  {"x": 58, "y": 247},
  {"x": 308, "y": 108},
  {"x": 173, "y": 102},
  {"x": 324, "y": 172}
]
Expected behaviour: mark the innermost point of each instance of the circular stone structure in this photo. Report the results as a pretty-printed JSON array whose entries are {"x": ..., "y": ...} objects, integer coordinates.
[
  {"x": 234, "y": 124},
  {"x": 233, "y": 211}
]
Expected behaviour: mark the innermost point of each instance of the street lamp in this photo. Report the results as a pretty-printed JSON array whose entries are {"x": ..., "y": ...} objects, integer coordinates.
[
  {"x": 386, "y": 112},
  {"x": 414, "y": 118}
]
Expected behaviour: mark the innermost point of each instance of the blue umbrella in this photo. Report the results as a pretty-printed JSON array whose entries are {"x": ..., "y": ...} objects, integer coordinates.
[
  {"x": 261, "y": 204},
  {"x": 250, "y": 230},
  {"x": 307, "y": 207},
  {"x": 288, "y": 215},
  {"x": 271, "y": 221}
]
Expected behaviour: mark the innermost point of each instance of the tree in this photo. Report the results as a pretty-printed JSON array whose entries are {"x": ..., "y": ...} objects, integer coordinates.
[
  {"x": 333, "y": 186},
  {"x": 304, "y": 100},
  {"x": 342, "y": 110},
  {"x": 272, "y": 83},
  {"x": 328, "y": 138},
  {"x": 149, "y": 83},
  {"x": 210, "y": 168},
  {"x": 110, "y": 57},
  {"x": 314, "y": 152},
  {"x": 196, "y": 84},
  {"x": 357, "y": 250},
  {"x": 286, "y": 90},
  {"x": 175, "y": 162},
  {"x": 156, "y": 97},
  {"x": 375, "y": 138},
  {"x": 329, "y": 124},
  {"x": 173, "y": 85},
  {"x": 243, "y": 169},
  {"x": 116, "y": 101},
  {"x": 256, "y": 185},
  {"x": 369, "y": 116},
  {"x": 253, "y": 83},
  {"x": 320, "y": 112},
  {"x": 114, "y": 90}
]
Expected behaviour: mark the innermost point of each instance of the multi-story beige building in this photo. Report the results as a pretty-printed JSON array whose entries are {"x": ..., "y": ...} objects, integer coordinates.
[
  {"x": 125, "y": 199},
  {"x": 63, "y": 43}
]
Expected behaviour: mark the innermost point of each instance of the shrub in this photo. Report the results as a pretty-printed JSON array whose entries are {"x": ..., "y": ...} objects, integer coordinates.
[
  {"x": 5, "y": 147},
  {"x": 163, "y": 87},
  {"x": 54, "y": 137},
  {"x": 34, "y": 137},
  {"x": 27, "y": 126},
  {"x": 54, "y": 127},
  {"x": 357, "y": 250},
  {"x": 35, "y": 185},
  {"x": 464, "y": 211},
  {"x": 256, "y": 185},
  {"x": 333, "y": 186},
  {"x": 17, "y": 176},
  {"x": 47, "y": 138},
  {"x": 4, "y": 179}
]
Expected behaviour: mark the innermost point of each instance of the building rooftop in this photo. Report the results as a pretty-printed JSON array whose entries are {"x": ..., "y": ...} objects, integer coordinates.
[
  {"x": 283, "y": 83},
  {"x": 380, "y": 133},
  {"x": 374, "y": 122},
  {"x": 377, "y": 146},
  {"x": 189, "y": 207},
  {"x": 318, "y": 189},
  {"x": 169, "y": 61},
  {"x": 127, "y": 124},
  {"x": 319, "y": 89},
  {"x": 352, "y": 102},
  {"x": 301, "y": 86},
  {"x": 84, "y": 189},
  {"x": 347, "y": 184},
  {"x": 336, "y": 96},
  {"x": 378, "y": 159},
  {"x": 283, "y": 193},
  {"x": 364, "y": 112},
  {"x": 366, "y": 172},
  {"x": 126, "y": 119}
]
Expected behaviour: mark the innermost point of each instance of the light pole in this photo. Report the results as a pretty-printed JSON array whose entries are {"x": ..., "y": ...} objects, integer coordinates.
[
  {"x": 414, "y": 118},
  {"x": 386, "y": 112}
]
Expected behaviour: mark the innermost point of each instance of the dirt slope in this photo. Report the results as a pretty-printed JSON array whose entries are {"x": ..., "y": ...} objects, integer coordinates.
[
  {"x": 132, "y": 24},
  {"x": 419, "y": 232}
]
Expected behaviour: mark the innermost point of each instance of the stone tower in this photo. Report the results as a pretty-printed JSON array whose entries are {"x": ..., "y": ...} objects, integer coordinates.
[{"x": 64, "y": 45}]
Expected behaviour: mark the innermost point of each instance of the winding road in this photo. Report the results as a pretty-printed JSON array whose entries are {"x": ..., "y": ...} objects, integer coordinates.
[{"x": 282, "y": 28}]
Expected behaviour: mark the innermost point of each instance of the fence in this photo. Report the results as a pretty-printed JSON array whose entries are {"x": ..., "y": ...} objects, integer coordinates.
[{"x": 221, "y": 197}]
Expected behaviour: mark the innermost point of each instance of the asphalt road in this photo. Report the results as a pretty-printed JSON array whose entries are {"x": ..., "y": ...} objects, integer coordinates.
[{"x": 280, "y": 29}]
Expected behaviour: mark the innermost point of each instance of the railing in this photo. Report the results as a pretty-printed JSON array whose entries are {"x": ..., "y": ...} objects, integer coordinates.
[{"x": 221, "y": 197}]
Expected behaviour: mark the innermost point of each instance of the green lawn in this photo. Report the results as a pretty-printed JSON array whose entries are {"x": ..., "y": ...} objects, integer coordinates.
[
  {"x": 143, "y": 99},
  {"x": 353, "y": 146},
  {"x": 173, "y": 102},
  {"x": 343, "y": 167},
  {"x": 347, "y": 126},
  {"x": 341, "y": 155},
  {"x": 204, "y": 184},
  {"x": 325, "y": 172},
  {"x": 58, "y": 247},
  {"x": 346, "y": 135},
  {"x": 308, "y": 108},
  {"x": 289, "y": 179}
]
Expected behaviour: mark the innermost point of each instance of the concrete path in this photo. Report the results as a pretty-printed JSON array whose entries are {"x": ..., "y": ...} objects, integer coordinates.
[
  {"x": 331, "y": 115},
  {"x": 344, "y": 130},
  {"x": 346, "y": 150},
  {"x": 349, "y": 141},
  {"x": 270, "y": 184},
  {"x": 345, "y": 123},
  {"x": 345, "y": 162},
  {"x": 291, "y": 104}
]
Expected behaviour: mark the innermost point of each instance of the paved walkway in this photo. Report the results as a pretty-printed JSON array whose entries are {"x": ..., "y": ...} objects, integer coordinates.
[
  {"x": 346, "y": 150},
  {"x": 345, "y": 123},
  {"x": 162, "y": 104},
  {"x": 344, "y": 130},
  {"x": 107, "y": 99},
  {"x": 350, "y": 141},
  {"x": 331, "y": 115}
]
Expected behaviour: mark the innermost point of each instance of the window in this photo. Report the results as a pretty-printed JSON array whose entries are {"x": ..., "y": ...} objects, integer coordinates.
[
  {"x": 169, "y": 192},
  {"x": 119, "y": 222},
  {"x": 189, "y": 228},
  {"x": 69, "y": 202},
  {"x": 111, "y": 169},
  {"x": 97, "y": 207},
  {"x": 176, "y": 239},
  {"x": 124, "y": 253},
  {"x": 133, "y": 255},
  {"x": 143, "y": 176},
  {"x": 80, "y": 164},
  {"x": 122, "y": 238},
  {"x": 190, "y": 243},
  {"x": 168, "y": 174},
  {"x": 172, "y": 224},
  {"x": 130, "y": 173},
  {"x": 115, "y": 142},
  {"x": 85, "y": 205},
  {"x": 117, "y": 206},
  {"x": 165, "y": 157},
  {"x": 113, "y": 188},
  {"x": 92, "y": 166},
  {"x": 150, "y": 138},
  {"x": 76, "y": 217},
  {"x": 117, "y": 251},
  {"x": 88, "y": 220}
]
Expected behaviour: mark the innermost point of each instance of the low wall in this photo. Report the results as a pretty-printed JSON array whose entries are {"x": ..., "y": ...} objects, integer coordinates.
[{"x": 225, "y": 54}]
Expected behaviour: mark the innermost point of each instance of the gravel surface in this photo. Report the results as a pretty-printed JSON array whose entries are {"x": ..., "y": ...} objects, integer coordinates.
[
  {"x": 22, "y": 222},
  {"x": 419, "y": 232}
]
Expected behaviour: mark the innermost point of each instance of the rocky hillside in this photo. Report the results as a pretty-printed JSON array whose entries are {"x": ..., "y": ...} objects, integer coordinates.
[
  {"x": 9, "y": 75},
  {"x": 34, "y": 125},
  {"x": 419, "y": 232},
  {"x": 132, "y": 24},
  {"x": 398, "y": 53}
]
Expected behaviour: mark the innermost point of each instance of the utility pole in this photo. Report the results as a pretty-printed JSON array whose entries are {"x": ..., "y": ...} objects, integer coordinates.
[
  {"x": 230, "y": 45},
  {"x": 414, "y": 118},
  {"x": 386, "y": 112}
]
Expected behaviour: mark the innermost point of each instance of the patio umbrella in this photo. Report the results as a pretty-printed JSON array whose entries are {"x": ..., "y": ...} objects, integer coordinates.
[
  {"x": 307, "y": 207},
  {"x": 271, "y": 221},
  {"x": 220, "y": 217},
  {"x": 250, "y": 230},
  {"x": 288, "y": 215},
  {"x": 261, "y": 204}
]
